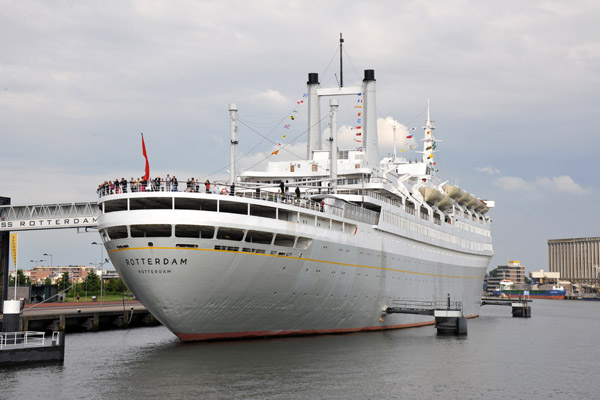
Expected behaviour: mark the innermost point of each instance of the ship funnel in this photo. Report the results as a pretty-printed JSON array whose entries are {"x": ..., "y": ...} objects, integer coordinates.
[
  {"x": 370, "y": 140},
  {"x": 313, "y": 141}
]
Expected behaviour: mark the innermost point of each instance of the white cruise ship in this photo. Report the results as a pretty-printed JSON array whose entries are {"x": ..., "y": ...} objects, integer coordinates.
[{"x": 364, "y": 235}]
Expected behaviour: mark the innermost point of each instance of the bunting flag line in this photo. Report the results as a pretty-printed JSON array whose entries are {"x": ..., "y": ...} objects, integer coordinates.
[
  {"x": 275, "y": 152},
  {"x": 409, "y": 136}
]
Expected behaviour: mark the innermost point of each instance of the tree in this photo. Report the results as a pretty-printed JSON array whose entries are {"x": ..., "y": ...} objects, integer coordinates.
[
  {"x": 22, "y": 279},
  {"x": 63, "y": 281},
  {"x": 93, "y": 282},
  {"x": 116, "y": 286},
  {"x": 47, "y": 281}
]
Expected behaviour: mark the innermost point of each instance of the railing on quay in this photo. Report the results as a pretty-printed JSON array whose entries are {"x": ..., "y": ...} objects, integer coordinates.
[{"x": 27, "y": 339}]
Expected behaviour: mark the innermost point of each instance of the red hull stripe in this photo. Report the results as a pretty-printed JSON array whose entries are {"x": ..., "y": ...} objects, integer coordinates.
[{"x": 188, "y": 337}]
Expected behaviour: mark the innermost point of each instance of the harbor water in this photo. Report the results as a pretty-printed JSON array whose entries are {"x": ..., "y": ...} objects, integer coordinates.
[{"x": 554, "y": 354}]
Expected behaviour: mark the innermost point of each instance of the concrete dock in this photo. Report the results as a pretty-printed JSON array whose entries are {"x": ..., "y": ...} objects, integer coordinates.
[{"x": 82, "y": 317}]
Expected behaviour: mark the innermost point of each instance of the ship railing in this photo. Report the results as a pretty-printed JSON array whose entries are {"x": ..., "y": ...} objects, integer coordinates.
[
  {"x": 360, "y": 214},
  {"x": 349, "y": 211},
  {"x": 429, "y": 304},
  {"x": 26, "y": 339}
]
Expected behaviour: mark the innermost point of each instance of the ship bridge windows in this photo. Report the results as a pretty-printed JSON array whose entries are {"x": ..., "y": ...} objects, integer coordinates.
[
  {"x": 195, "y": 231},
  {"x": 233, "y": 207},
  {"x": 151, "y": 203},
  {"x": 259, "y": 237},
  {"x": 424, "y": 213},
  {"x": 284, "y": 240},
  {"x": 186, "y": 203},
  {"x": 151, "y": 230},
  {"x": 263, "y": 211},
  {"x": 115, "y": 205},
  {"x": 117, "y": 232},
  {"x": 230, "y": 233}
]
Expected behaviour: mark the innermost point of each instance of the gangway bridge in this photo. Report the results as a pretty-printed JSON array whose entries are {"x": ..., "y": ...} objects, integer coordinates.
[
  {"x": 49, "y": 216},
  {"x": 14, "y": 218}
]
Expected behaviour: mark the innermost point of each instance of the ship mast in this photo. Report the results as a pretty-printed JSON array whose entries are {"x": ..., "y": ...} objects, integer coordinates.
[
  {"x": 428, "y": 140},
  {"x": 234, "y": 141},
  {"x": 341, "y": 64}
]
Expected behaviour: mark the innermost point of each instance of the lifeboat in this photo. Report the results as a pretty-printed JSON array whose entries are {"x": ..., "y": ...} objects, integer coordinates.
[
  {"x": 453, "y": 191},
  {"x": 446, "y": 202},
  {"x": 473, "y": 201},
  {"x": 431, "y": 195},
  {"x": 464, "y": 198},
  {"x": 479, "y": 206}
]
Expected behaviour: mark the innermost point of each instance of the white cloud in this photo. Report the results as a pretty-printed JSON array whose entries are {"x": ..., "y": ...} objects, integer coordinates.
[
  {"x": 270, "y": 96},
  {"x": 561, "y": 184},
  {"x": 557, "y": 184},
  {"x": 512, "y": 183},
  {"x": 488, "y": 170}
]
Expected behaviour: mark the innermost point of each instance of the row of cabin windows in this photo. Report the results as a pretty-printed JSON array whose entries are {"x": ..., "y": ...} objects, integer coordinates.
[{"x": 206, "y": 232}]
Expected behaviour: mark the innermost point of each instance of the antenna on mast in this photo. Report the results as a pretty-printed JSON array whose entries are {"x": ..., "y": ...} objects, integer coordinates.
[{"x": 341, "y": 65}]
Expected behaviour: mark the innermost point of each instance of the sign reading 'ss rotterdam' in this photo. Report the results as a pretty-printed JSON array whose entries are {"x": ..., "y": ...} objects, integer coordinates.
[{"x": 49, "y": 223}]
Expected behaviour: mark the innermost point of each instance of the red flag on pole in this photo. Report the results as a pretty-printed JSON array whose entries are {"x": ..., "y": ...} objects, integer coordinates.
[{"x": 147, "y": 175}]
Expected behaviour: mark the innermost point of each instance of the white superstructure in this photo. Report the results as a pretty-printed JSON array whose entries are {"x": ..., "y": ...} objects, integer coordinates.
[{"x": 366, "y": 233}]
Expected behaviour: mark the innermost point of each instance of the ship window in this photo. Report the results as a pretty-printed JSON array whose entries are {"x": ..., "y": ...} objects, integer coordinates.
[
  {"x": 259, "y": 237},
  {"x": 303, "y": 243},
  {"x": 194, "y": 231},
  {"x": 187, "y": 245},
  {"x": 262, "y": 211},
  {"x": 230, "y": 234},
  {"x": 207, "y": 232},
  {"x": 184, "y": 203},
  {"x": 115, "y": 205},
  {"x": 284, "y": 240},
  {"x": 151, "y": 203},
  {"x": 187, "y": 231},
  {"x": 151, "y": 230},
  {"x": 117, "y": 232},
  {"x": 233, "y": 207}
]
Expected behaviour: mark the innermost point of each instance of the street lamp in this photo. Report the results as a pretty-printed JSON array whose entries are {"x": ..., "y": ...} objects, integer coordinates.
[
  {"x": 48, "y": 254},
  {"x": 36, "y": 262},
  {"x": 102, "y": 276}
]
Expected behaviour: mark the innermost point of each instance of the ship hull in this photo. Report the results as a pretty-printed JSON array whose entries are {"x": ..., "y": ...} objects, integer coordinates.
[
  {"x": 208, "y": 294},
  {"x": 316, "y": 273}
]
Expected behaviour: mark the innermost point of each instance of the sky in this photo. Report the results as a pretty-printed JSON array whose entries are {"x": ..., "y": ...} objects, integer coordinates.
[{"x": 513, "y": 86}]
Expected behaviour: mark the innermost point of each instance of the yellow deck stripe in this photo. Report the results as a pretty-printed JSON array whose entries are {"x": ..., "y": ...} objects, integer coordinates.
[{"x": 299, "y": 258}]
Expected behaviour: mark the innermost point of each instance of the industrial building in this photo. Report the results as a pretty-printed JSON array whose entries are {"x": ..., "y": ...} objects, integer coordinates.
[{"x": 577, "y": 260}]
